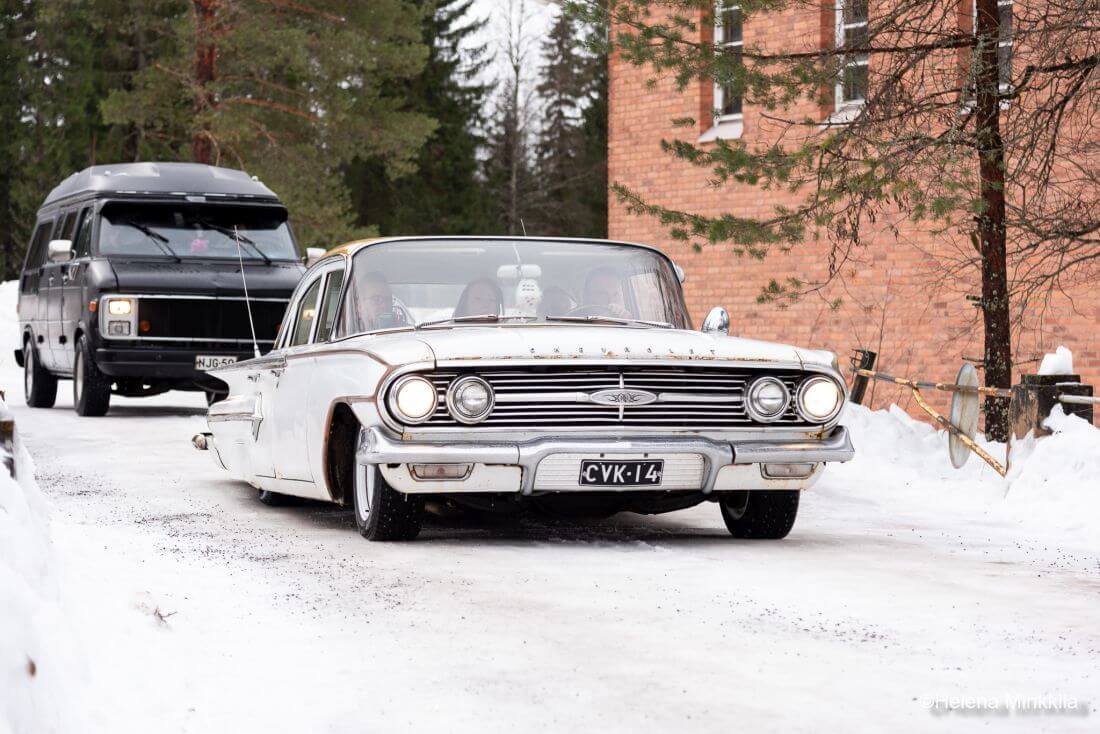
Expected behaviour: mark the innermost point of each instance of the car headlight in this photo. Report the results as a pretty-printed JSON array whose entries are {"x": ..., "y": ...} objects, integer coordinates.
[
  {"x": 412, "y": 399},
  {"x": 120, "y": 307},
  {"x": 470, "y": 399},
  {"x": 767, "y": 399},
  {"x": 820, "y": 399}
]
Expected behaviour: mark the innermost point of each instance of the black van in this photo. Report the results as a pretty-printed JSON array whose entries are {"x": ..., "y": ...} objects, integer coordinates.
[{"x": 135, "y": 281}]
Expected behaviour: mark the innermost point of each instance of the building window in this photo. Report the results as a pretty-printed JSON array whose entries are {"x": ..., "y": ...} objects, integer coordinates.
[
  {"x": 851, "y": 32},
  {"x": 727, "y": 39}
]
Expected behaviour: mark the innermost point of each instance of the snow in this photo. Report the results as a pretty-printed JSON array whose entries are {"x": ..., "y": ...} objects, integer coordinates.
[
  {"x": 907, "y": 591},
  {"x": 1058, "y": 363},
  {"x": 39, "y": 657}
]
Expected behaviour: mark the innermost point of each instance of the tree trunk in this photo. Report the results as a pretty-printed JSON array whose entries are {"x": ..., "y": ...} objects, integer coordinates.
[
  {"x": 991, "y": 220},
  {"x": 205, "y": 71}
]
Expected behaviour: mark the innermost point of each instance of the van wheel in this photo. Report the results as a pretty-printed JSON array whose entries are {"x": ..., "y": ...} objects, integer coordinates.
[
  {"x": 765, "y": 514},
  {"x": 91, "y": 388},
  {"x": 381, "y": 512},
  {"x": 39, "y": 386}
]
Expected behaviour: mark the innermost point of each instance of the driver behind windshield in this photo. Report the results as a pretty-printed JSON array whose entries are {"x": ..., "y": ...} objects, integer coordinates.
[{"x": 603, "y": 293}]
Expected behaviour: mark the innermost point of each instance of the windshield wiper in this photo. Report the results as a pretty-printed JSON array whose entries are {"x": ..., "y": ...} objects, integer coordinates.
[
  {"x": 158, "y": 239},
  {"x": 609, "y": 320},
  {"x": 491, "y": 318},
  {"x": 229, "y": 232}
]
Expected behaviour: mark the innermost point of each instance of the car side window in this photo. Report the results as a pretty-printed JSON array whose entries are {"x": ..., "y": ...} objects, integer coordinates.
[
  {"x": 82, "y": 245},
  {"x": 329, "y": 304},
  {"x": 306, "y": 315}
]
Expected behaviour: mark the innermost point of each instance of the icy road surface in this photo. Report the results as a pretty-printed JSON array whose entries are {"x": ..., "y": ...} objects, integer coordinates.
[{"x": 202, "y": 610}]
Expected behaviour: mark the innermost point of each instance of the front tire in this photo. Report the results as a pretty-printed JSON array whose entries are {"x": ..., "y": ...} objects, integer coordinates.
[
  {"x": 760, "y": 514},
  {"x": 39, "y": 386},
  {"x": 91, "y": 388},
  {"x": 381, "y": 512}
]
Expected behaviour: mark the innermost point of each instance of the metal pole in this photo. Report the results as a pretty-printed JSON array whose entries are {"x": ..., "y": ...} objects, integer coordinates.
[{"x": 866, "y": 361}]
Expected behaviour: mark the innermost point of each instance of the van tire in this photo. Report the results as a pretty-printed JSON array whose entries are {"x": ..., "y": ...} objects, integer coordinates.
[
  {"x": 91, "y": 388},
  {"x": 39, "y": 386}
]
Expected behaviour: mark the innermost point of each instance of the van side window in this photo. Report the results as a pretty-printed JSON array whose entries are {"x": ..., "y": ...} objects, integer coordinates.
[
  {"x": 65, "y": 230},
  {"x": 82, "y": 245},
  {"x": 328, "y": 306},
  {"x": 307, "y": 314},
  {"x": 36, "y": 257}
]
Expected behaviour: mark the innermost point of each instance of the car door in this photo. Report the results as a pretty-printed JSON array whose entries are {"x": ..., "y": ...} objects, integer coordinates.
[
  {"x": 312, "y": 324},
  {"x": 72, "y": 289}
]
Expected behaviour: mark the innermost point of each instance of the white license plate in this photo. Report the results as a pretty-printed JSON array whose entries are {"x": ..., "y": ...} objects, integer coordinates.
[{"x": 209, "y": 361}]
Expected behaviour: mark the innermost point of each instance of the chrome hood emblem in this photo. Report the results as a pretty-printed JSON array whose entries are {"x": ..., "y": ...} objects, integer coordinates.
[{"x": 621, "y": 396}]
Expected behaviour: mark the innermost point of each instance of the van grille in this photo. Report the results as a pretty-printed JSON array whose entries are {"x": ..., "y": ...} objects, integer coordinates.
[{"x": 208, "y": 319}]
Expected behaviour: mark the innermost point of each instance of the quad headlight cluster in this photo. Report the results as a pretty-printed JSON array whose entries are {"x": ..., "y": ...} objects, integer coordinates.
[
  {"x": 818, "y": 399},
  {"x": 413, "y": 399}
]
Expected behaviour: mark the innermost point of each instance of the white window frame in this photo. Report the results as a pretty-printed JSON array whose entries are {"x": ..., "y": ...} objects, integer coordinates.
[
  {"x": 842, "y": 30},
  {"x": 720, "y": 42}
]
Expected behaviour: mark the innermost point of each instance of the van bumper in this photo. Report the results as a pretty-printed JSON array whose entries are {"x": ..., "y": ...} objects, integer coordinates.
[{"x": 160, "y": 363}]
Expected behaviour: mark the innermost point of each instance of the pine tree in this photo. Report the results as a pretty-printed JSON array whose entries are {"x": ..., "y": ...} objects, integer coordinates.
[
  {"x": 290, "y": 92},
  {"x": 444, "y": 195},
  {"x": 572, "y": 140}
]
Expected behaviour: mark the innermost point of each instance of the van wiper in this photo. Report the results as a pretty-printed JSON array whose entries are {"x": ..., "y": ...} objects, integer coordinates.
[
  {"x": 610, "y": 320},
  {"x": 158, "y": 239},
  {"x": 491, "y": 318},
  {"x": 228, "y": 232}
]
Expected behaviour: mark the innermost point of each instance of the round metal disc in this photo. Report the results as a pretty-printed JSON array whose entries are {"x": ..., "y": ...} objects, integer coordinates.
[{"x": 964, "y": 415}]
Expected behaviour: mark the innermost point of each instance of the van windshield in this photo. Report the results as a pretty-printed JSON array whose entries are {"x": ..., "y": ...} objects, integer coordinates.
[{"x": 195, "y": 231}]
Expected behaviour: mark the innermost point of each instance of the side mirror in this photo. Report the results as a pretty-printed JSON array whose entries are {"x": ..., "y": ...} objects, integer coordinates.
[
  {"x": 313, "y": 254},
  {"x": 60, "y": 251},
  {"x": 680, "y": 274},
  {"x": 717, "y": 322}
]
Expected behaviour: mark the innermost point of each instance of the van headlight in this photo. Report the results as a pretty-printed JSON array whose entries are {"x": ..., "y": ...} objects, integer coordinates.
[
  {"x": 767, "y": 399},
  {"x": 120, "y": 307},
  {"x": 470, "y": 399},
  {"x": 412, "y": 399},
  {"x": 820, "y": 399}
]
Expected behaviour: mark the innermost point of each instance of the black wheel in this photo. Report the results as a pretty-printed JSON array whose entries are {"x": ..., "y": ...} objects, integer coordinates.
[
  {"x": 91, "y": 388},
  {"x": 381, "y": 512},
  {"x": 39, "y": 386},
  {"x": 274, "y": 499},
  {"x": 767, "y": 514}
]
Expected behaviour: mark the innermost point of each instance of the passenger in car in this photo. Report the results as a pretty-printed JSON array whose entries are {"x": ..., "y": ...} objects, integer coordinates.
[
  {"x": 479, "y": 297},
  {"x": 374, "y": 303}
]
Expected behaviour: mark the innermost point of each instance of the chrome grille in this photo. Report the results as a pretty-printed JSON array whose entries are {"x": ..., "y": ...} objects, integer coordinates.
[{"x": 688, "y": 398}]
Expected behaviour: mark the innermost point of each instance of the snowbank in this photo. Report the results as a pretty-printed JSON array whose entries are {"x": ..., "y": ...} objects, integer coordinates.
[
  {"x": 1053, "y": 483},
  {"x": 37, "y": 654}
]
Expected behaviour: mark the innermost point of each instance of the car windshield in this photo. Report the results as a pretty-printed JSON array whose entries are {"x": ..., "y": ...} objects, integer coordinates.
[
  {"x": 195, "y": 231},
  {"x": 437, "y": 283}
]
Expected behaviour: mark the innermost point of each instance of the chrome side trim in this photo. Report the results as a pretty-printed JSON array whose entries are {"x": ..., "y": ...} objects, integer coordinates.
[{"x": 238, "y": 408}]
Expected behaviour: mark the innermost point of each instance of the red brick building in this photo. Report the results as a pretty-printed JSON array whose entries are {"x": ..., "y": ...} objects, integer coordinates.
[{"x": 895, "y": 300}]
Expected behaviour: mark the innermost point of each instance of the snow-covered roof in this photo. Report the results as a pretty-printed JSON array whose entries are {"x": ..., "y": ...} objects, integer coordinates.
[{"x": 160, "y": 178}]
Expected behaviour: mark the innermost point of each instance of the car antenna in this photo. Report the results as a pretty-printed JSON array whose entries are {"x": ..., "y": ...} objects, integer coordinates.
[
  {"x": 523, "y": 227},
  {"x": 247, "y": 303}
]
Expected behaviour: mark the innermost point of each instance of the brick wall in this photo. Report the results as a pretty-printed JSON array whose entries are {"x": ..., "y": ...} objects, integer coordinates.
[{"x": 895, "y": 297}]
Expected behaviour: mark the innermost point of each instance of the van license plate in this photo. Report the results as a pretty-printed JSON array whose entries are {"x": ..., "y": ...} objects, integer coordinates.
[
  {"x": 621, "y": 473},
  {"x": 209, "y": 361}
]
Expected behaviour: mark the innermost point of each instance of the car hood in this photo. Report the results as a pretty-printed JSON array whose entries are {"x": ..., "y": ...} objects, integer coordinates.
[
  {"x": 207, "y": 278},
  {"x": 482, "y": 343}
]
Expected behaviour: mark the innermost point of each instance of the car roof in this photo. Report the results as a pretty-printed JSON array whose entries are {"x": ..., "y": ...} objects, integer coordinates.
[
  {"x": 162, "y": 179},
  {"x": 350, "y": 248}
]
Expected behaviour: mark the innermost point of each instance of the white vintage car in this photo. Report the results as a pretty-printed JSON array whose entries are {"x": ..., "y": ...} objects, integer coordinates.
[{"x": 505, "y": 373}]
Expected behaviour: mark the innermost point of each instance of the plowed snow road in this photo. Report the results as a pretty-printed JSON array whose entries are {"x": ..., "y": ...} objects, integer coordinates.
[{"x": 285, "y": 620}]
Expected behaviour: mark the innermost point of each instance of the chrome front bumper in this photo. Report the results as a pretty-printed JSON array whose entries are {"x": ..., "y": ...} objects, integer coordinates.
[{"x": 379, "y": 448}]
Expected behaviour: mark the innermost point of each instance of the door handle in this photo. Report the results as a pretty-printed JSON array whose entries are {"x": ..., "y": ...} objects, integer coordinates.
[{"x": 277, "y": 371}]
